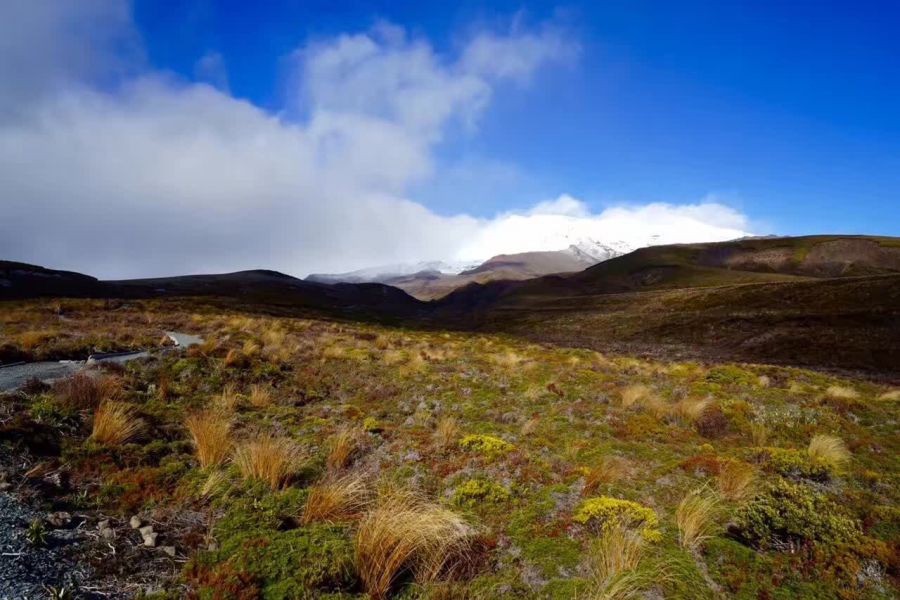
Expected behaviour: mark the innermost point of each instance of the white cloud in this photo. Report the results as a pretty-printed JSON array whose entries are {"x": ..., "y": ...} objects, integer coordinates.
[{"x": 149, "y": 175}]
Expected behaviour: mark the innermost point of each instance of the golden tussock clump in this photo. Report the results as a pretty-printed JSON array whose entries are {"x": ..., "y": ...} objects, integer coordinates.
[
  {"x": 759, "y": 433},
  {"x": 260, "y": 395},
  {"x": 211, "y": 433},
  {"x": 632, "y": 394},
  {"x": 830, "y": 450},
  {"x": 763, "y": 381},
  {"x": 115, "y": 424},
  {"x": 736, "y": 481},
  {"x": 82, "y": 391},
  {"x": 405, "y": 532},
  {"x": 268, "y": 458},
  {"x": 890, "y": 396},
  {"x": 841, "y": 392},
  {"x": 609, "y": 470},
  {"x": 529, "y": 426},
  {"x": 228, "y": 399},
  {"x": 337, "y": 499},
  {"x": 690, "y": 410},
  {"x": 614, "y": 561},
  {"x": 341, "y": 447},
  {"x": 446, "y": 434},
  {"x": 696, "y": 519}
]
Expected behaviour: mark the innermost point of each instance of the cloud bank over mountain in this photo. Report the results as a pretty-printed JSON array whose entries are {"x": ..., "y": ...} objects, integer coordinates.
[{"x": 112, "y": 167}]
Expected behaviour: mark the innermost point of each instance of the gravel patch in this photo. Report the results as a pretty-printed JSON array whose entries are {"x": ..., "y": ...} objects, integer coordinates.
[{"x": 26, "y": 569}]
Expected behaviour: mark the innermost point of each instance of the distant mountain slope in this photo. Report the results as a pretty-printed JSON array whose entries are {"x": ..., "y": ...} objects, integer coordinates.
[
  {"x": 753, "y": 260},
  {"x": 21, "y": 280},
  {"x": 258, "y": 286},
  {"x": 438, "y": 279}
]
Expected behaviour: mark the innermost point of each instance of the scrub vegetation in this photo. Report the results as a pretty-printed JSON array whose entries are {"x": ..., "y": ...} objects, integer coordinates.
[{"x": 300, "y": 458}]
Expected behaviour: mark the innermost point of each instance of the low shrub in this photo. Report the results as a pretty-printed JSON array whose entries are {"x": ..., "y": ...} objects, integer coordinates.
[
  {"x": 485, "y": 444},
  {"x": 478, "y": 491},
  {"x": 796, "y": 464},
  {"x": 788, "y": 515},
  {"x": 605, "y": 513}
]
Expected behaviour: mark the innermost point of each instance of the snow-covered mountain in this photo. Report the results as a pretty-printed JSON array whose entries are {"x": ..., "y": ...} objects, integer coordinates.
[{"x": 385, "y": 272}]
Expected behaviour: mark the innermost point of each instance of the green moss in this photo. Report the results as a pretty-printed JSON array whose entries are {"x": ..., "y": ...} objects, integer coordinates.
[
  {"x": 257, "y": 538},
  {"x": 605, "y": 513},
  {"x": 792, "y": 514}
]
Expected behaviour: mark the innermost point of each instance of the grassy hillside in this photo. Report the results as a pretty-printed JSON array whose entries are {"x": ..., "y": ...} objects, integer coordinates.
[{"x": 296, "y": 458}]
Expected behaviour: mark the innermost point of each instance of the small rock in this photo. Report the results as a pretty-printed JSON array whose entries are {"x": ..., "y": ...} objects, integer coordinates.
[
  {"x": 60, "y": 520},
  {"x": 150, "y": 540},
  {"x": 170, "y": 550},
  {"x": 146, "y": 530},
  {"x": 104, "y": 524},
  {"x": 135, "y": 522},
  {"x": 108, "y": 533}
]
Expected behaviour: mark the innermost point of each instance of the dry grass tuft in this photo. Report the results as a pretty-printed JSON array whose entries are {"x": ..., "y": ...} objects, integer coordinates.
[
  {"x": 830, "y": 450},
  {"x": 696, "y": 519},
  {"x": 610, "y": 469},
  {"x": 529, "y": 426},
  {"x": 234, "y": 358},
  {"x": 260, "y": 395},
  {"x": 846, "y": 393},
  {"x": 403, "y": 533},
  {"x": 633, "y": 393},
  {"x": 446, "y": 434},
  {"x": 337, "y": 499},
  {"x": 690, "y": 410},
  {"x": 162, "y": 387},
  {"x": 656, "y": 406},
  {"x": 759, "y": 433},
  {"x": 217, "y": 484},
  {"x": 270, "y": 459},
  {"x": 736, "y": 481},
  {"x": 763, "y": 381},
  {"x": 211, "y": 432},
  {"x": 614, "y": 559},
  {"x": 891, "y": 396},
  {"x": 82, "y": 391},
  {"x": 341, "y": 448},
  {"x": 115, "y": 424},
  {"x": 228, "y": 399}
]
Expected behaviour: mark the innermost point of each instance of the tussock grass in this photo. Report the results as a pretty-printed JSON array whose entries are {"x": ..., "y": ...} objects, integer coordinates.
[
  {"x": 830, "y": 450},
  {"x": 217, "y": 484},
  {"x": 268, "y": 458},
  {"x": 260, "y": 395},
  {"x": 610, "y": 469},
  {"x": 763, "y": 381},
  {"x": 234, "y": 358},
  {"x": 228, "y": 399},
  {"x": 115, "y": 424},
  {"x": 82, "y": 391},
  {"x": 759, "y": 433},
  {"x": 529, "y": 426},
  {"x": 696, "y": 519},
  {"x": 614, "y": 560},
  {"x": 842, "y": 392},
  {"x": 341, "y": 447},
  {"x": 655, "y": 405},
  {"x": 446, "y": 434},
  {"x": 337, "y": 499},
  {"x": 405, "y": 532},
  {"x": 211, "y": 433},
  {"x": 736, "y": 481},
  {"x": 632, "y": 394},
  {"x": 251, "y": 348},
  {"x": 890, "y": 396},
  {"x": 690, "y": 410}
]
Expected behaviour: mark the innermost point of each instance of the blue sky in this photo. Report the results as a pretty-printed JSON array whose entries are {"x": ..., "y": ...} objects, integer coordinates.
[
  {"x": 787, "y": 111},
  {"x": 321, "y": 136}
]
